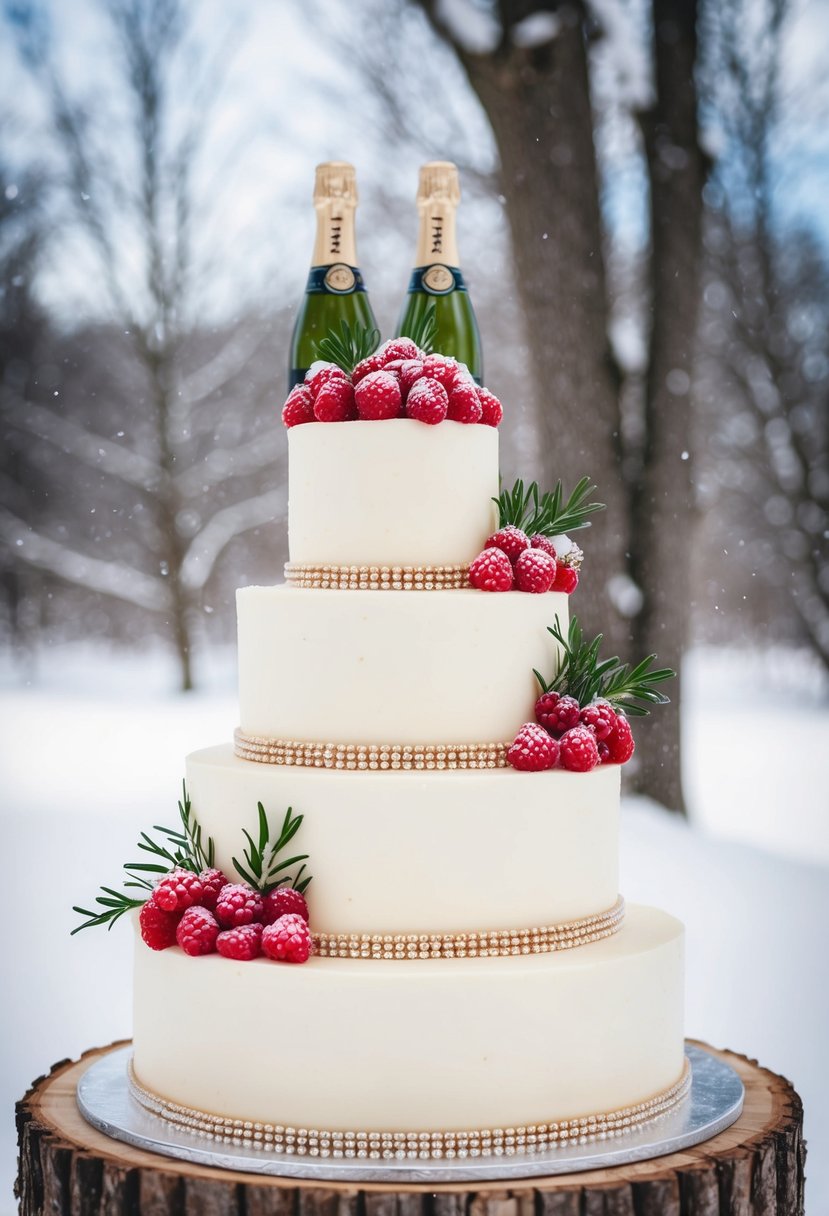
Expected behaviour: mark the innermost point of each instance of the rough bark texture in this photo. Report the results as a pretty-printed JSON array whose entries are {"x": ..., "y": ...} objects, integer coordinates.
[{"x": 754, "y": 1168}]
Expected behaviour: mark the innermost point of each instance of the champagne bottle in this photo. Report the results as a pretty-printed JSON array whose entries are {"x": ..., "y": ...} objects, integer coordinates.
[
  {"x": 335, "y": 291},
  {"x": 437, "y": 278}
]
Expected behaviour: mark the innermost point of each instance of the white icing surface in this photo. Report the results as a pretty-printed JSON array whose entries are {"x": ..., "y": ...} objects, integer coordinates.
[
  {"x": 438, "y": 1045},
  {"x": 393, "y": 493},
  {"x": 416, "y": 852},
  {"x": 392, "y": 666}
]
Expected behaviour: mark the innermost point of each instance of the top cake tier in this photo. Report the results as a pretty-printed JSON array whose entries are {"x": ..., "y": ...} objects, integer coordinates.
[{"x": 391, "y": 493}]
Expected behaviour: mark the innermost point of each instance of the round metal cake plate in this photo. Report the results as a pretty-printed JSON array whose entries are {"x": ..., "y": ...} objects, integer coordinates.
[{"x": 714, "y": 1103}]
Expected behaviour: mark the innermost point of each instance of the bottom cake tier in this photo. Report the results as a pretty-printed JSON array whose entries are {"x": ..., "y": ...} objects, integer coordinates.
[{"x": 424, "y": 1047}]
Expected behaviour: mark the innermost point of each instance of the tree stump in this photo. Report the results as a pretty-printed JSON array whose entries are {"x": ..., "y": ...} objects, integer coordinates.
[{"x": 67, "y": 1168}]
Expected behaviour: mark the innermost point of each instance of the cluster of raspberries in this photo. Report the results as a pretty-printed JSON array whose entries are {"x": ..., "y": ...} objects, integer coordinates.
[
  {"x": 568, "y": 735},
  {"x": 204, "y": 914},
  {"x": 511, "y": 560},
  {"x": 397, "y": 381}
]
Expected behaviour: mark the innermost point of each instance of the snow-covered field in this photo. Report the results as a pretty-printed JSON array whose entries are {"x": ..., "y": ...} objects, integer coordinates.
[{"x": 91, "y": 752}]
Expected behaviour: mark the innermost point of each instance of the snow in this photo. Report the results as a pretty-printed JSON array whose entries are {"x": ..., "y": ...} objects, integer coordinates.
[{"x": 92, "y": 753}]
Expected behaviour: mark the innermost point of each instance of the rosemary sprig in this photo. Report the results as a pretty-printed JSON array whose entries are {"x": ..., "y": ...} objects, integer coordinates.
[
  {"x": 348, "y": 347},
  {"x": 582, "y": 675},
  {"x": 114, "y": 904},
  {"x": 548, "y": 514},
  {"x": 423, "y": 331},
  {"x": 263, "y": 869}
]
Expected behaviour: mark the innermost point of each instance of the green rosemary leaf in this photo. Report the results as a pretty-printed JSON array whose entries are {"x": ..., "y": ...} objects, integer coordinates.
[
  {"x": 424, "y": 330},
  {"x": 348, "y": 347}
]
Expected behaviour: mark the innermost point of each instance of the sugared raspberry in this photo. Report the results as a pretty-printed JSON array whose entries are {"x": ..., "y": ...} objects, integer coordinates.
[
  {"x": 566, "y": 579},
  {"x": 533, "y": 750},
  {"x": 180, "y": 889},
  {"x": 410, "y": 372},
  {"x": 243, "y": 943},
  {"x": 284, "y": 901},
  {"x": 600, "y": 717},
  {"x": 427, "y": 401},
  {"x": 464, "y": 405},
  {"x": 288, "y": 939},
  {"x": 399, "y": 348},
  {"x": 238, "y": 904},
  {"x": 544, "y": 544},
  {"x": 545, "y": 709},
  {"x": 299, "y": 407},
  {"x": 491, "y": 571},
  {"x": 562, "y": 716},
  {"x": 579, "y": 750},
  {"x": 620, "y": 741},
  {"x": 321, "y": 374},
  {"x": 510, "y": 540},
  {"x": 158, "y": 928},
  {"x": 335, "y": 402},
  {"x": 492, "y": 410},
  {"x": 212, "y": 882},
  {"x": 378, "y": 396},
  {"x": 442, "y": 369},
  {"x": 197, "y": 931},
  {"x": 534, "y": 571},
  {"x": 372, "y": 364}
]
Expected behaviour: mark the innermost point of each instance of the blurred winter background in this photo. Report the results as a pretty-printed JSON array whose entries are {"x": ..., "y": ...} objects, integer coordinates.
[{"x": 645, "y": 232}]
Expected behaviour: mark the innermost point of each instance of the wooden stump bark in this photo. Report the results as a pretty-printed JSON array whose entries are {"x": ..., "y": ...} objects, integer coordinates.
[{"x": 67, "y": 1168}]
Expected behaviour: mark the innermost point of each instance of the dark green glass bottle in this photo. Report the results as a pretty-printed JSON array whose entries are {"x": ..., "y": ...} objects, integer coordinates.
[
  {"x": 335, "y": 290},
  {"x": 436, "y": 277}
]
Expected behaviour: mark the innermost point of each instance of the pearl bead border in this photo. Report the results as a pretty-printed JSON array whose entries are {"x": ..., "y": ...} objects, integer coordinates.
[
  {"x": 369, "y": 756},
  {"x": 377, "y": 578},
  {"x": 413, "y": 1145}
]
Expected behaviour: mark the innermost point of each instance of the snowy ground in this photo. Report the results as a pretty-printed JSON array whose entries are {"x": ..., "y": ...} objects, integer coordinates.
[{"x": 92, "y": 752}]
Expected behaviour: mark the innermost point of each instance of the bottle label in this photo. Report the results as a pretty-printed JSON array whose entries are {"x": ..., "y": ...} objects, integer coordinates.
[
  {"x": 437, "y": 280},
  {"x": 337, "y": 280}
]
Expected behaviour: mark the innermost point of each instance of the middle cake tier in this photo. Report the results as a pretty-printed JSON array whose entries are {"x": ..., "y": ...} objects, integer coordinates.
[{"x": 426, "y": 852}]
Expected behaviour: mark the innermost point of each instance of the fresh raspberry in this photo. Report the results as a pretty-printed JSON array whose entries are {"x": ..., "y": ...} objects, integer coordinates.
[
  {"x": 620, "y": 741},
  {"x": 299, "y": 407},
  {"x": 238, "y": 904},
  {"x": 544, "y": 544},
  {"x": 399, "y": 348},
  {"x": 197, "y": 931},
  {"x": 411, "y": 371},
  {"x": 533, "y": 750},
  {"x": 321, "y": 374},
  {"x": 492, "y": 410},
  {"x": 373, "y": 363},
  {"x": 600, "y": 717},
  {"x": 464, "y": 405},
  {"x": 427, "y": 401},
  {"x": 442, "y": 369},
  {"x": 178, "y": 890},
  {"x": 491, "y": 571},
  {"x": 158, "y": 928},
  {"x": 509, "y": 540},
  {"x": 534, "y": 571},
  {"x": 212, "y": 882},
  {"x": 288, "y": 939},
  {"x": 564, "y": 715},
  {"x": 378, "y": 396},
  {"x": 284, "y": 901},
  {"x": 579, "y": 750},
  {"x": 604, "y": 752},
  {"x": 335, "y": 402},
  {"x": 243, "y": 943},
  {"x": 545, "y": 710},
  {"x": 566, "y": 579}
]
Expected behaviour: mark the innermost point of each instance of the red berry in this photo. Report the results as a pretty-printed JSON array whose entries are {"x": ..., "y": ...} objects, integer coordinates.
[
  {"x": 243, "y": 943},
  {"x": 544, "y": 544},
  {"x": 378, "y": 396},
  {"x": 533, "y": 750},
  {"x": 284, "y": 901},
  {"x": 442, "y": 369},
  {"x": 197, "y": 931},
  {"x": 325, "y": 373},
  {"x": 178, "y": 890},
  {"x": 288, "y": 939},
  {"x": 564, "y": 715},
  {"x": 427, "y": 401},
  {"x": 598, "y": 716},
  {"x": 604, "y": 752},
  {"x": 372, "y": 364},
  {"x": 299, "y": 407},
  {"x": 212, "y": 882},
  {"x": 410, "y": 372},
  {"x": 534, "y": 571},
  {"x": 158, "y": 928},
  {"x": 510, "y": 540},
  {"x": 545, "y": 709},
  {"x": 238, "y": 904},
  {"x": 579, "y": 750},
  {"x": 464, "y": 405},
  {"x": 620, "y": 741},
  {"x": 492, "y": 410},
  {"x": 491, "y": 571},
  {"x": 399, "y": 348},
  {"x": 335, "y": 402},
  {"x": 566, "y": 579}
]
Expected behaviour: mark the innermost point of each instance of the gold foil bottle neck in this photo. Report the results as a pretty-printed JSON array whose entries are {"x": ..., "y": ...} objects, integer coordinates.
[
  {"x": 439, "y": 182},
  {"x": 335, "y": 179}
]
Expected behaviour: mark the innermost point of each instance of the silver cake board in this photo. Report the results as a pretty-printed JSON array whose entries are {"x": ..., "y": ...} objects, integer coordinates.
[{"x": 714, "y": 1103}]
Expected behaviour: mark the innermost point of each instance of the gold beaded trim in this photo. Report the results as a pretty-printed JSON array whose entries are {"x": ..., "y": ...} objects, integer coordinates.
[
  {"x": 422, "y": 1146},
  {"x": 365, "y": 756},
  {"x": 377, "y": 578},
  {"x": 473, "y": 944}
]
